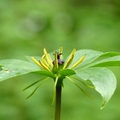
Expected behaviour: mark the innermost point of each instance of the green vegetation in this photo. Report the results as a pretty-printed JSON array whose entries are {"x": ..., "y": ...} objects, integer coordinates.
[{"x": 29, "y": 26}]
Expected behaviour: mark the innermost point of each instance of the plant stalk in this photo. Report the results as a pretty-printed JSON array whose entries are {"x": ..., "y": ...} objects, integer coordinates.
[{"x": 58, "y": 102}]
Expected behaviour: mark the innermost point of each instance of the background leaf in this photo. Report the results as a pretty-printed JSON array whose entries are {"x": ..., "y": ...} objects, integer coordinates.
[
  {"x": 112, "y": 61},
  {"x": 103, "y": 80},
  {"x": 12, "y": 68},
  {"x": 96, "y": 58},
  {"x": 108, "y": 54}
]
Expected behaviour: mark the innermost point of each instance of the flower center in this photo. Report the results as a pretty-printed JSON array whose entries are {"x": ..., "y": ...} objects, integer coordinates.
[{"x": 59, "y": 61}]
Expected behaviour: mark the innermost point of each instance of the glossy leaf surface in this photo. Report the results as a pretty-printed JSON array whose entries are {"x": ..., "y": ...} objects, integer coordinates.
[
  {"x": 91, "y": 68},
  {"x": 12, "y": 68},
  {"x": 103, "y": 80},
  {"x": 107, "y": 62}
]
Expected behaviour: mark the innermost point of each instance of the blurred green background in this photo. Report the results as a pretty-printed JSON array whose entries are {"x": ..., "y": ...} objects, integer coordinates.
[{"x": 28, "y": 26}]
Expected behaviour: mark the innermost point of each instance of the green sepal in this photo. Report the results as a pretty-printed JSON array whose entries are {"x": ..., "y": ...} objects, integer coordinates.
[{"x": 45, "y": 73}]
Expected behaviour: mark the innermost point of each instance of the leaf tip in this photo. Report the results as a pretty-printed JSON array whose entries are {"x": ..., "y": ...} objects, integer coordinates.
[{"x": 103, "y": 104}]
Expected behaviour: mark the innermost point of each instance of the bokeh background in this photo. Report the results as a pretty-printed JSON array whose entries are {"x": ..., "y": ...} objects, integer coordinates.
[{"x": 28, "y": 26}]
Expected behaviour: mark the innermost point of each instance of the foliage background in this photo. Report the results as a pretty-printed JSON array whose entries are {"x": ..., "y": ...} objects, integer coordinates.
[{"x": 28, "y": 26}]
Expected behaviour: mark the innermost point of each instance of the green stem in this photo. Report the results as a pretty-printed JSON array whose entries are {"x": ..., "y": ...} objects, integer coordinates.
[{"x": 58, "y": 102}]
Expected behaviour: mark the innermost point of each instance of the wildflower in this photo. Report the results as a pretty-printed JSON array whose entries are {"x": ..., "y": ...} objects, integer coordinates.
[
  {"x": 58, "y": 69},
  {"x": 46, "y": 63}
]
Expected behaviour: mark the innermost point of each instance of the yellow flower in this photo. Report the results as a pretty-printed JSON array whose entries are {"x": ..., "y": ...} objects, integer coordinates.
[
  {"x": 47, "y": 63},
  {"x": 57, "y": 69}
]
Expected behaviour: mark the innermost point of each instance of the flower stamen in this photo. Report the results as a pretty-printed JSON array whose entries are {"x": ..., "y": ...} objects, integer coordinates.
[
  {"x": 56, "y": 60},
  {"x": 70, "y": 59},
  {"x": 35, "y": 61},
  {"x": 44, "y": 66},
  {"x": 48, "y": 58},
  {"x": 78, "y": 62},
  {"x": 45, "y": 62}
]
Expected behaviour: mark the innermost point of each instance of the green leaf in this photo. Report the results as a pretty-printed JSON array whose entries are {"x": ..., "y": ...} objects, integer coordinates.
[
  {"x": 103, "y": 79},
  {"x": 12, "y": 68},
  {"x": 0, "y": 67},
  {"x": 66, "y": 72},
  {"x": 108, "y": 54},
  {"x": 111, "y": 61},
  {"x": 91, "y": 55},
  {"x": 106, "y": 59}
]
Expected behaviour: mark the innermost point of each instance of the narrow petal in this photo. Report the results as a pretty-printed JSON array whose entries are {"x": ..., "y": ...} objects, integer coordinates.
[
  {"x": 78, "y": 87},
  {"x": 33, "y": 84},
  {"x": 54, "y": 92},
  {"x": 70, "y": 59},
  {"x": 89, "y": 86},
  {"x": 37, "y": 87},
  {"x": 78, "y": 62}
]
